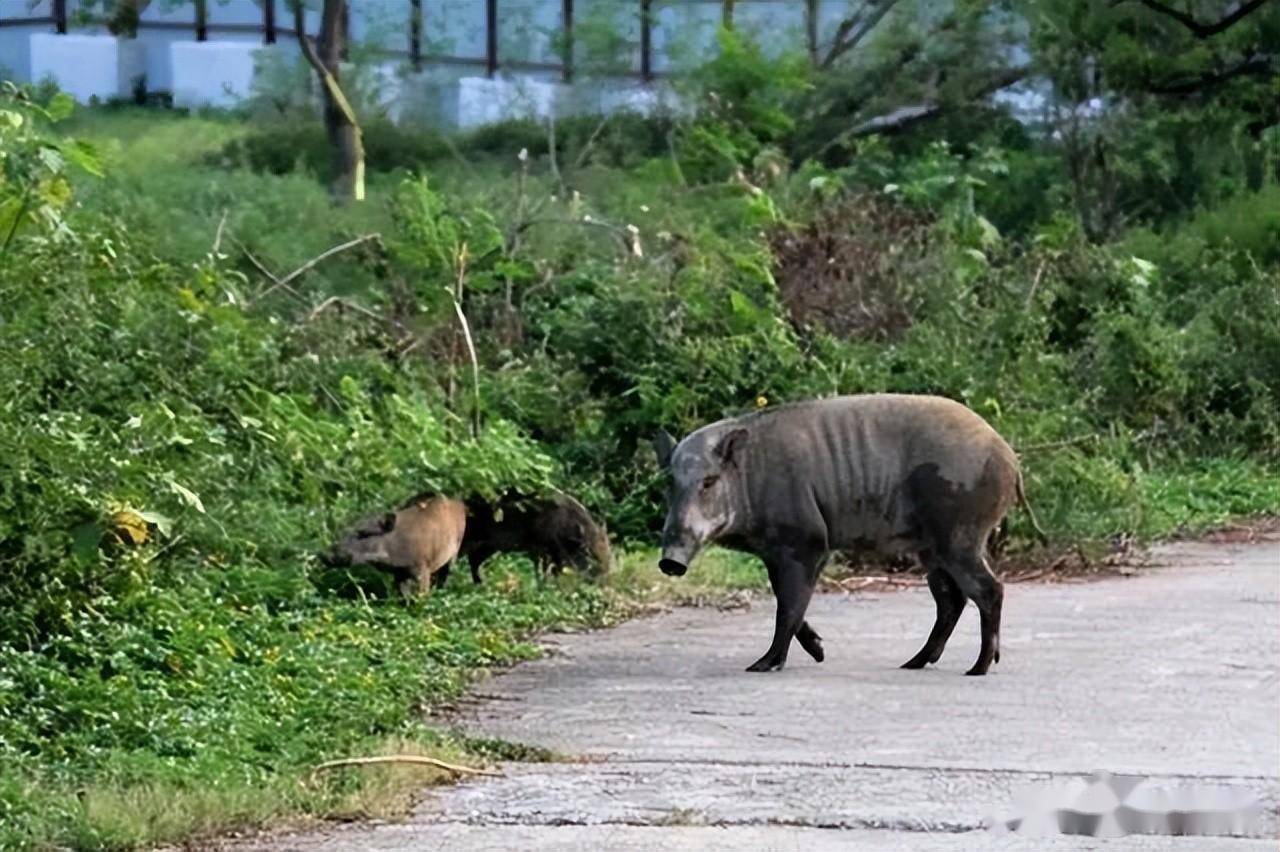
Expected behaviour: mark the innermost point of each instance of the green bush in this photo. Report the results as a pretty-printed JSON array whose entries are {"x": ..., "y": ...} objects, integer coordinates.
[{"x": 280, "y": 148}]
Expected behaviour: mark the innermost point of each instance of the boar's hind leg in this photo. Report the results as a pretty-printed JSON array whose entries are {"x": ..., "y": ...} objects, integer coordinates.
[
  {"x": 476, "y": 557},
  {"x": 949, "y": 600},
  {"x": 441, "y": 576},
  {"x": 792, "y": 577},
  {"x": 970, "y": 571},
  {"x": 810, "y": 641}
]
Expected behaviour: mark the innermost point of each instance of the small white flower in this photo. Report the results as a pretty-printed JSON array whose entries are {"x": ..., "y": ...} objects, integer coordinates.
[
  {"x": 644, "y": 208},
  {"x": 586, "y": 217},
  {"x": 523, "y": 155}
]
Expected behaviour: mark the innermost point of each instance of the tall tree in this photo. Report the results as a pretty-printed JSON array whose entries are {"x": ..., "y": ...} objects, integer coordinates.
[
  {"x": 1157, "y": 105},
  {"x": 340, "y": 122},
  {"x": 889, "y": 64}
]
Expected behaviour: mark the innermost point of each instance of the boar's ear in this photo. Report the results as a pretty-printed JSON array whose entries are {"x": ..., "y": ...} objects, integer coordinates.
[
  {"x": 664, "y": 445},
  {"x": 729, "y": 450},
  {"x": 388, "y": 522}
]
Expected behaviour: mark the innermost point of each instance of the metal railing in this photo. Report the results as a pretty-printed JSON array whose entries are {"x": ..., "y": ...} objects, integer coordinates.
[{"x": 202, "y": 28}]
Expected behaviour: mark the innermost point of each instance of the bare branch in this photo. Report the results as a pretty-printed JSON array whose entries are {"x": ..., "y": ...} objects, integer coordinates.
[
  {"x": 456, "y": 295},
  {"x": 852, "y": 30},
  {"x": 553, "y": 156},
  {"x": 1255, "y": 64},
  {"x": 1202, "y": 30},
  {"x": 257, "y": 264},
  {"x": 581, "y": 159},
  {"x": 896, "y": 120},
  {"x": 338, "y": 301},
  {"x": 310, "y": 264},
  {"x": 907, "y": 115},
  {"x": 1035, "y": 284},
  {"x": 618, "y": 234},
  {"x": 217, "y": 237}
]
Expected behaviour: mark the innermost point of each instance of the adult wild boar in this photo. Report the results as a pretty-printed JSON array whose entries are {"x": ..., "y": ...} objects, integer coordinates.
[
  {"x": 554, "y": 531},
  {"x": 418, "y": 540},
  {"x": 884, "y": 472}
]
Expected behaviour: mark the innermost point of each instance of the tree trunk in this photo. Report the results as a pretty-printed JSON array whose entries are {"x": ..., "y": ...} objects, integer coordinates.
[{"x": 340, "y": 121}]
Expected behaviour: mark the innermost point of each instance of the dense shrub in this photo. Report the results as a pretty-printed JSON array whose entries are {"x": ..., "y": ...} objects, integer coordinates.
[
  {"x": 279, "y": 148},
  {"x": 148, "y": 412}
]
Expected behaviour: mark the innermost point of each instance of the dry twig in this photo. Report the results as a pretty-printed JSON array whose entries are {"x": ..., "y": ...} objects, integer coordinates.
[
  {"x": 217, "y": 236},
  {"x": 311, "y": 264}
]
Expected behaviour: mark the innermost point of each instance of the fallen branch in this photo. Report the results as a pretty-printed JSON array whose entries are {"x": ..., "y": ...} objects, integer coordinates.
[
  {"x": 405, "y": 758},
  {"x": 1027, "y": 577},
  {"x": 311, "y": 264}
]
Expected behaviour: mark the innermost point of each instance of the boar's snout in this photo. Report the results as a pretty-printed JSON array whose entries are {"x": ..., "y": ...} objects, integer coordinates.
[
  {"x": 336, "y": 556},
  {"x": 672, "y": 568}
]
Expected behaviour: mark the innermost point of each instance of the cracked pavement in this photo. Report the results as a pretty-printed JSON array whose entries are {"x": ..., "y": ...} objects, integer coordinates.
[{"x": 1172, "y": 674}]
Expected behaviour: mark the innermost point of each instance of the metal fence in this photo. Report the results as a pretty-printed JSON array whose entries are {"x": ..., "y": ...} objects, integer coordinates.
[{"x": 276, "y": 19}]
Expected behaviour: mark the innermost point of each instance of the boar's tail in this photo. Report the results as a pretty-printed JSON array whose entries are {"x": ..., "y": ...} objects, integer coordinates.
[{"x": 1022, "y": 501}]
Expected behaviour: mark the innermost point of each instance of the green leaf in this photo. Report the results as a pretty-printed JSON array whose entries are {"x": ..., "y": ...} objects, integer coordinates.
[
  {"x": 162, "y": 523},
  {"x": 84, "y": 541},
  {"x": 989, "y": 234},
  {"x": 84, "y": 155},
  {"x": 60, "y": 107},
  {"x": 188, "y": 496},
  {"x": 52, "y": 158}
]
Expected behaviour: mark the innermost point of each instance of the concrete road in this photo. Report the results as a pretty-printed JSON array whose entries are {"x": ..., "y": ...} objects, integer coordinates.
[{"x": 1173, "y": 673}]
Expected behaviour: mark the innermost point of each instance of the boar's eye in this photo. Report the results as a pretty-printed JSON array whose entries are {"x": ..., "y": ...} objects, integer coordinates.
[{"x": 711, "y": 480}]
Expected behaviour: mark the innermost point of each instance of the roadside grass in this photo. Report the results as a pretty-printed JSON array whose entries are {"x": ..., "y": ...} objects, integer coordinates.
[{"x": 157, "y": 757}]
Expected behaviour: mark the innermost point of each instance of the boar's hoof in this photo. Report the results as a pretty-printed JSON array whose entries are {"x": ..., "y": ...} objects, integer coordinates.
[
  {"x": 919, "y": 661},
  {"x": 672, "y": 568},
  {"x": 977, "y": 671},
  {"x": 766, "y": 664}
]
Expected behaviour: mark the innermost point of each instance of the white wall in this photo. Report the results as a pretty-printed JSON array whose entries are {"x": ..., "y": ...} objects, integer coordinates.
[
  {"x": 87, "y": 66},
  {"x": 15, "y": 40}
]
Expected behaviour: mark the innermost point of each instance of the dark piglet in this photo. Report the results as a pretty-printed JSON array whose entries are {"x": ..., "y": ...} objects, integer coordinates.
[
  {"x": 887, "y": 473},
  {"x": 554, "y": 531},
  {"x": 420, "y": 539}
]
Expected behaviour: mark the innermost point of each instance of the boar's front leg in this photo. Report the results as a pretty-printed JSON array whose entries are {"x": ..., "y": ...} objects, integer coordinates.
[
  {"x": 793, "y": 575},
  {"x": 805, "y": 634},
  {"x": 949, "y": 602}
]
